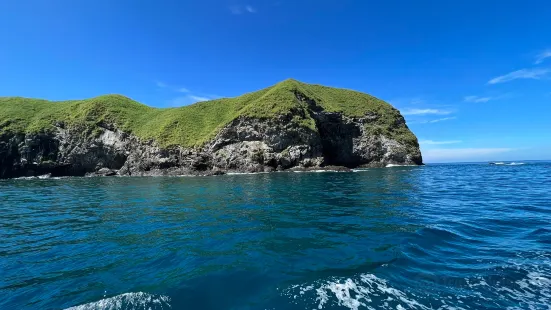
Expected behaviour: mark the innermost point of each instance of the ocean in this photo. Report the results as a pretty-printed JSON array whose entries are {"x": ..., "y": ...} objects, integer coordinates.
[{"x": 441, "y": 236}]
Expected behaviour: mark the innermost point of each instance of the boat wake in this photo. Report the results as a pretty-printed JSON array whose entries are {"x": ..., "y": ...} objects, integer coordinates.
[
  {"x": 514, "y": 287},
  {"x": 366, "y": 291},
  {"x": 128, "y": 301},
  {"x": 507, "y": 164}
]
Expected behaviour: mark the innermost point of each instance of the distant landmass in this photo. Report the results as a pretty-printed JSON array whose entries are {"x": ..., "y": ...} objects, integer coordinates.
[{"x": 290, "y": 125}]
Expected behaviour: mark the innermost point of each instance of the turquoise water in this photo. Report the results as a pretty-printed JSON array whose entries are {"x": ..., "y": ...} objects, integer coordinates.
[{"x": 468, "y": 236}]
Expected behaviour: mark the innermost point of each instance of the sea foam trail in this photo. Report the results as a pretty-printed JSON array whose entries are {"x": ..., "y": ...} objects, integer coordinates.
[
  {"x": 508, "y": 164},
  {"x": 128, "y": 301},
  {"x": 515, "y": 286},
  {"x": 365, "y": 291}
]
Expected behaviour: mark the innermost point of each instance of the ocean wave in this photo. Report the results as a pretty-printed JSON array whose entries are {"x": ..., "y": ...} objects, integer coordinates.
[
  {"x": 531, "y": 283},
  {"x": 316, "y": 171},
  {"x": 41, "y": 177},
  {"x": 245, "y": 173},
  {"x": 508, "y": 164},
  {"x": 514, "y": 286},
  {"x": 128, "y": 301},
  {"x": 398, "y": 165},
  {"x": 364, "y": 292}
]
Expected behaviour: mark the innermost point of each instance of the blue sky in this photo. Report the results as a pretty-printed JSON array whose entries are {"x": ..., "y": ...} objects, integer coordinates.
[{"x": 473, "y": 78}]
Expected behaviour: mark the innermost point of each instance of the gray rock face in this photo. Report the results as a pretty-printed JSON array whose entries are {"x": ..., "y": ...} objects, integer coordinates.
[{"x": 244, "y": 145}]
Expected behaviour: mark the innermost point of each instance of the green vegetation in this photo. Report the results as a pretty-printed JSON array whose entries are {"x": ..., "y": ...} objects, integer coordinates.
[{"x": 195, "y": 124}]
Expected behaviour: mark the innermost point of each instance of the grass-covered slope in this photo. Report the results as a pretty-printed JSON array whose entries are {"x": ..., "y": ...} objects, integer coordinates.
[{"x": 195, "y": 124}]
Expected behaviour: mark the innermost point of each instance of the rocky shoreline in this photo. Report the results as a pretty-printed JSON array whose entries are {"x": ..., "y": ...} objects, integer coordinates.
[
  {"x": 114, "y": 173},
  {"x": 245, "y": 145}
]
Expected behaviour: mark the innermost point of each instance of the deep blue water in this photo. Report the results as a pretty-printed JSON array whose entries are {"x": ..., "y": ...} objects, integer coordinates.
[{"x": 469, "y": 236}]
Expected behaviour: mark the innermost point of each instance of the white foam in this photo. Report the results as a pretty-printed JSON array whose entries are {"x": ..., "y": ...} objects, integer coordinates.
[
  {"x": 137, "y": 300},
  {"x": 508, "y": 164},
  {"x": 316, "y": 171},
  {"x": 357, "y": 293},
  {"x": 41, "y": 177},
  {"x": 397, "y": 165},
  {"x": 245, "y": 173},
  {"x": 25, "y": 178},
  {"x": 533, "y": 291},
  {"x": 367, "y": 291}
]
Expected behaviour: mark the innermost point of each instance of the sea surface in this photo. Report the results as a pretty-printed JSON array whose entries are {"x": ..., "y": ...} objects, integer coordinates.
[{"x": 454, "y": 236}]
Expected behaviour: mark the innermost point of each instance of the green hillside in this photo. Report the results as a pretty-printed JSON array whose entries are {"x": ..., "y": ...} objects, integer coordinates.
[{"x": 195, "y": 124}]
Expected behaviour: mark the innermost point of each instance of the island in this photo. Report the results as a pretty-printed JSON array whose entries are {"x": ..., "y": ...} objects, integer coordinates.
[{"x": 291, "y": 125}]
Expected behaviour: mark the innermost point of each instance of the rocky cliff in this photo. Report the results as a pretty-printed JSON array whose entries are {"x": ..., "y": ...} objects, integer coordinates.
[{"x": 289, "y": 125}]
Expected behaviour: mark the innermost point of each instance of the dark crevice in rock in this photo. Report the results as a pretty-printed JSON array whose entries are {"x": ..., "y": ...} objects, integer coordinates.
[
  {"x": 336, "y": 134},
  {"x": 337, "y": 139}
]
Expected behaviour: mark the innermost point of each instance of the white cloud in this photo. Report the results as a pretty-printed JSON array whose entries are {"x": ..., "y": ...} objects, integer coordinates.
[
  {"x": 462, "y": 154},
  {"x": 477, "y": 99},
  {"x": 199, "y": 98},
  {"x": 240, "y": 9},
  {"x": 534, "y": 74},
  {"x": 542, "y": 56},
  {"x": 187, "y": 100},
  {"x": 433, "y": 120},
  {"x": 171, "y": 87},
  {"x": 424, "y": 112},
  {"x": 432, "y": 142},
  {"x": 180, "y": 101},
  {"x": 441, "y": 120}
]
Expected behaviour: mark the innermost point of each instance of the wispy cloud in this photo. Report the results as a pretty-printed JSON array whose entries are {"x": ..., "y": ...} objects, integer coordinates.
[
  {"x": 240, "y": 9},
  {"x": 534, "y": 74},
  {"x": 187, "y": 100},
  {"x": 462, "y": 154},
  {"x": 188, "y": 97},
  {"x": 432, "y": 121},
  {"x": 432, "y": 142},
  {"x": 424, "y": 111},
  {"x": 542, "y": 56},
  {"x": 477, "y": 99},
  {"x": 171, "y": 87},
  {"x": 441, "y": 120},
  {"x": 199, "y": 98},
  {"x": 180, "y": 101}
]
